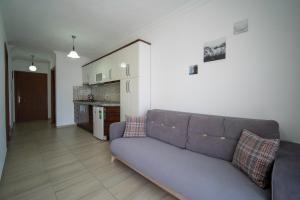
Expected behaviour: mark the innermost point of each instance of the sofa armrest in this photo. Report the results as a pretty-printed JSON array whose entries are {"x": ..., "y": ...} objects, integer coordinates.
[
  {"x": 286, "y": 173},
  {"x": 116, "y": 130}
]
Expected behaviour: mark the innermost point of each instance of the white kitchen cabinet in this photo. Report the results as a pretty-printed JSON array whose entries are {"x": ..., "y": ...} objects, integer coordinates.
[
  {"x": 130, "y": 65},
  {"x": 129, "y": 61},
  {"x": 85, "y": 75},
  {"x": 91, "y": 73},
  {"x": 115, "y": 69},
  {"x": 103, "y": 70},
  {"x": 129, "y": 98},
  {"x": 135, "y": 87},
  {"x": 106, "y": 69}
]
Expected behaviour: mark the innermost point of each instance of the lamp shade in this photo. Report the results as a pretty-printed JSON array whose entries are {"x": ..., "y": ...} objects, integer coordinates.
[
  {"x": 32, "y": 68},
  {"x": 73, "y": 54}
]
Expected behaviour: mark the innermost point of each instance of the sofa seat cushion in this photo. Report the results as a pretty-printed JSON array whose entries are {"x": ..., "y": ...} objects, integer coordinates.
[{"x": 193, "y": 175}]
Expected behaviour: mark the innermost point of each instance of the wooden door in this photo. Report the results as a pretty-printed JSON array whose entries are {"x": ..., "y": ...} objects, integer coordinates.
[{"x": 30, "y": 96}]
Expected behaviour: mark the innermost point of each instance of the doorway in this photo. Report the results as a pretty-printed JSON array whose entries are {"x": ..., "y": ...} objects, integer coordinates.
[
  {"x": 6, "y": 93},
  {"x": 53, "y": 99},
  {"x": 31, "y": 98}
]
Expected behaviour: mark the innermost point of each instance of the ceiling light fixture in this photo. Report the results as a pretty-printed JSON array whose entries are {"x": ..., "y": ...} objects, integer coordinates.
[
  {"x": 32, "y": 67},
  {"x": 123, "y": 65},
  {"x": 73, "y": 53}
]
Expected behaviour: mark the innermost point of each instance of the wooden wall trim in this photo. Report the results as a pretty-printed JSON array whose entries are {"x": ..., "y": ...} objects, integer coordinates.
[{"x": 138, "y": 40}]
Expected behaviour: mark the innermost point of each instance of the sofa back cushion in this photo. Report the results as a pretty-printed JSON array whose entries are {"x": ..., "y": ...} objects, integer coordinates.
[
  {"x": 205, "y": 136},
  {"x": 168, "y": 126},
  {"x": 217, "y": 136}
]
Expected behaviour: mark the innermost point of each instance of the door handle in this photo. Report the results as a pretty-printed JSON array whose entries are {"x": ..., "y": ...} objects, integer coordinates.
[
  {"x": 128, "y": 70},
  {"x": 110, "y": 74},
  {"x": 128, "y": 86},
  {"x": 19, "y": 99}
]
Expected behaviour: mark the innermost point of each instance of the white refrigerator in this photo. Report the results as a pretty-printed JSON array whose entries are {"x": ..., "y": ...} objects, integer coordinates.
[{"x": 98, "y": 118}]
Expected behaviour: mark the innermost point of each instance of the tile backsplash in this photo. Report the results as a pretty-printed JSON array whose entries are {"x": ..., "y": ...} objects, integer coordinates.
[
  {"x": 104, "y": 92},
  {"x": 107, "y": 92},
  {"x": 81, "y": 92}
]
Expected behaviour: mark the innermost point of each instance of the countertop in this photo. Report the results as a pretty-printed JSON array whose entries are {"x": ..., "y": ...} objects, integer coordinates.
[{"x": 97, "y": 103}]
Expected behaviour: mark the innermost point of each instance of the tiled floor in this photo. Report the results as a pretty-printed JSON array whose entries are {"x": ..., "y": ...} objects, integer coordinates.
[{"x": 68, "y": 163}]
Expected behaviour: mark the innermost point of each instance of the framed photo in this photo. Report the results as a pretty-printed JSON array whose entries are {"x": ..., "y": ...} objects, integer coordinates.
[
  {"x": 240, "y": 27},
  {"x": 215, "y": 50},
  {"x": 193, "y": 70}
]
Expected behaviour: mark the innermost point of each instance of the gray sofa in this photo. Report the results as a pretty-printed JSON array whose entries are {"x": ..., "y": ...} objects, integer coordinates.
[{"x": 190, "y": 155}]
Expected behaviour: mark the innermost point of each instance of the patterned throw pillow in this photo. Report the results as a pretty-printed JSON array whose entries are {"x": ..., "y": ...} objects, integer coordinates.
[
  {"x": 135, "y": 127},
  {"x": 254, "y": 156}
]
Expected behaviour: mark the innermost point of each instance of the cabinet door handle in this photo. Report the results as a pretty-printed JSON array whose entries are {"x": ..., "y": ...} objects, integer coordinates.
[
  {"x": 128, "y": 70},
  {"x": 128, "y": 86},
  {"x": 110, "y": 74}
]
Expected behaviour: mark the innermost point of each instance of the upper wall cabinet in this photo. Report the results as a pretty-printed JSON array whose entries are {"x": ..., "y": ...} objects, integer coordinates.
[
  {"x": 115, "y": 69},
  {"x": 106, "y": 69},
  {"x": 129, "y": 61},
  {"x": 91, "y": 71},
  {"x": 122, "y": 64},
  {"x": 85, "y": 76},
  {"x": 130, "y": 65}
]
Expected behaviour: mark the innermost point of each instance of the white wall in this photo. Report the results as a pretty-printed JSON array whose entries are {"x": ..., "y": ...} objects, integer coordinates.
[
  {"x": 259, "y": 77},
  {"x": 3, "y": 148},
  {"x": 68, "y": 74},
  {"x": 42, "y": 67}
]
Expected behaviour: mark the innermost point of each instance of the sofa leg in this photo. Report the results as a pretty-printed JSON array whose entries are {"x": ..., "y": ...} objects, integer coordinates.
[{"x": 113, "y": 158}]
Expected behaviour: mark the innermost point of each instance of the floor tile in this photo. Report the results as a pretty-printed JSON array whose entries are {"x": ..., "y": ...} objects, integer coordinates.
[
  {"x": 46, "y": 163},
  {"x": 79, "y": 189}
]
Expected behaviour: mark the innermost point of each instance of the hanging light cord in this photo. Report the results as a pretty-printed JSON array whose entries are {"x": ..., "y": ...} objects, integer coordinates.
[
  {"x": 32, "y": 56},
  {"x": 73, "y": 36}
]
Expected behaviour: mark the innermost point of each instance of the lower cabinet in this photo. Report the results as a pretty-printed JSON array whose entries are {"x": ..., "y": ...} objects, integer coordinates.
[
  {"x": 83, "y": 116},
  {"x": 111, "y": 115}
]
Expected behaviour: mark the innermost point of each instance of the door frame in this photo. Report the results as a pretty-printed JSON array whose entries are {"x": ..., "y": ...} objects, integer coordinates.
[
  {"x": 7, "y": 113},
  {"x": 53, "y": 97}
]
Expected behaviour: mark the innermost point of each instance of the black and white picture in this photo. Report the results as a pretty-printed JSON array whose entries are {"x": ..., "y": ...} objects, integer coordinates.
[
  {"x": 215, "y": 50},
  {"x": 240, "y": 27},
  {"x": 193, "y": 70}
]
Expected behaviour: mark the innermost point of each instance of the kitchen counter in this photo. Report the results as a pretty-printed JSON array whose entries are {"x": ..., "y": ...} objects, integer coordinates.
[{"x": 97, "y": 103}]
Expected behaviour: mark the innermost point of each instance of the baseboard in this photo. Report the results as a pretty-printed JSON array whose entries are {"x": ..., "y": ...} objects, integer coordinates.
[
  {"x": 2, "y": 164},
  {"x": 65, "y": 126}
]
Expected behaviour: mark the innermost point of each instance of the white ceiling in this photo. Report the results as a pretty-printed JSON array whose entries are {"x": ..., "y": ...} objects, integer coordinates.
[{"x": 98, "y": 24}]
